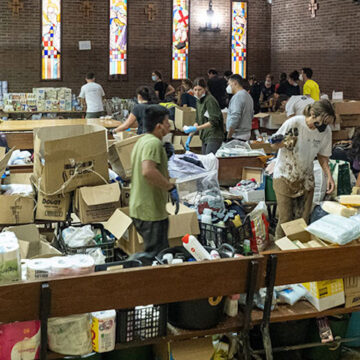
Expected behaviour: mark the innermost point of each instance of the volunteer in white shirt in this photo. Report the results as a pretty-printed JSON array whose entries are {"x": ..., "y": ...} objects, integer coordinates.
[
  {"x": 293, "y": 173},
  {"x": 92, "y": 96},
  {"x": 295, "y": 105}
]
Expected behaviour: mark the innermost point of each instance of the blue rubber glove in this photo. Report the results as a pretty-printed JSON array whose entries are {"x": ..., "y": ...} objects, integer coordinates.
[
  {"x": 175, "y": 199},
  {"x": 187, "y": 144},
  {"x": 190, "y": 129}
]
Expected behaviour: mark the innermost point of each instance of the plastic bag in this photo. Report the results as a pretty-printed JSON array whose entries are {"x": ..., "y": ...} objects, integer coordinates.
[
  {"x": 320, "y": 183},
  {"x": 260, "y": 228},
  {"x": 335, "y": 229},
  {"x": 237, "y": 148},
  {"x": 340, "y": 171},
  {"x": 78, "y": 236}
]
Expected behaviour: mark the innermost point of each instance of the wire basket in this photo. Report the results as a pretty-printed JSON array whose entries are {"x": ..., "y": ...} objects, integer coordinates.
[
  {"x": 107, "y": 244},
  {"x": 215, "y": 236},
  {"x": 141, "y": 323}
]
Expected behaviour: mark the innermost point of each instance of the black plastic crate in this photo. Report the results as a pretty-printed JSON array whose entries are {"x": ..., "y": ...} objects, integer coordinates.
[
  {"x": 141, "y": 323},
  {"x": 107, "y": 244},
  {"x": 214, "y": 236}
]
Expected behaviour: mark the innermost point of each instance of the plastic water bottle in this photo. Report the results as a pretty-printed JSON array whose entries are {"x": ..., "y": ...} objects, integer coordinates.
[
  {"x": 247, "y": 247},
  {"x": 206, "y": 216},
  {"x": 193, "y": 246}
]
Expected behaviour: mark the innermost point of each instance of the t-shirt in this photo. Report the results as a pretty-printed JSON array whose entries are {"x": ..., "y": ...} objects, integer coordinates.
[
  {"x": 161, "y": 87},
  {"x": 288, "y": 89},
  {"x": 297, "y": 165},
  {"x": 148, "y": 202},
  {"x": 188, "y": 99},
  {"x": 139, "y": 112},
  {"x": 217, "y": 87},
  {"x": 93, "y": 94},
  {"x": 297, "y": 104},
  {"x": 312, "y": 88}
]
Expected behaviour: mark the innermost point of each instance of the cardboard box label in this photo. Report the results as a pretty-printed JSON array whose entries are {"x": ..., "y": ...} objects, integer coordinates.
[{"x": 52, "y": 207}]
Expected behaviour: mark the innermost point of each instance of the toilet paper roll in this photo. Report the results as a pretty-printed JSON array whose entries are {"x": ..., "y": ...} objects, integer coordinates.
[
  {"x": 10, "y": 267},
  {"x": 38, "y": 269},
  {"x": 62, "y": 266},
  {"x": 103, "y": 330},
  {"x": 83, "y": 264}
]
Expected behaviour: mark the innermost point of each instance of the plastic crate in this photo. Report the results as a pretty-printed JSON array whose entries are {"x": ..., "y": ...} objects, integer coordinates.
[
  {"x": 141, "y": 323},
  {"x": 214, "y": 236},
  {"x": 106, "y": 245}
]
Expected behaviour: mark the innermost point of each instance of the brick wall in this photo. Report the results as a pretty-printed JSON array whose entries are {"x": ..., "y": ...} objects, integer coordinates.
[
  {"x": 329, "y": 43},
  {"x": 149, "y": 44}
]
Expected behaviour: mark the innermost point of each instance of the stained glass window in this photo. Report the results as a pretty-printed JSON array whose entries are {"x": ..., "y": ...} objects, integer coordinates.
[
  {"x": 239, "y": 38},
  {"x": 51, "y": 39},
  {"x": 180, "y": 39},
  {"x": 118, "y": 37}
]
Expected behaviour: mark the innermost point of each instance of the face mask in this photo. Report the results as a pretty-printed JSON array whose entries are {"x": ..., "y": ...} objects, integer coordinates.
[
  {"x": 321, "y": 128},
  {"x": 154, "y": 78},
  {"x": 203, "y": 95},
  {"x": 229, "y": 89},
  {"x": 301, "y": 78}
]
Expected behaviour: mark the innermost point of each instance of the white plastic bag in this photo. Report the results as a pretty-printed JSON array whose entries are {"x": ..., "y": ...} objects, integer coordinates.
[
  {"x": 78, "y": 236},
  {"x": 335, "y": 229}
]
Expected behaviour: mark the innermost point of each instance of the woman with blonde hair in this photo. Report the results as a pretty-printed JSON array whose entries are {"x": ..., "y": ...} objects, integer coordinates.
[{"x": 304, "y": 137}]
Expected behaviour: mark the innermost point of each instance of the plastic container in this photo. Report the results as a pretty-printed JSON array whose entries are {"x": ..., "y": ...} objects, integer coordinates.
[
  {"x": 194, "y": 247},
  {"x": 106, "y": 245},
  {"x": 269, "y": 190}
]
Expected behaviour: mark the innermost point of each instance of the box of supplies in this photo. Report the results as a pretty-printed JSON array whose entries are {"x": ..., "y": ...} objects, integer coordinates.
[
  {"x": 253, "y": 196},
  {"x": 184, "y": 116},
  {"x": 121, "y": 226},
  {"x": 68, "y": 157},
  {"x": 54, "y": 208},
  {"x": 352, "y": 291},
  {"x": 347, "y": 107}
]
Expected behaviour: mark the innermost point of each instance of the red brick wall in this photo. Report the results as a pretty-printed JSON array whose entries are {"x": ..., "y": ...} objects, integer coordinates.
[
  {"x": 149, "y": 44},
  {"x": 329, "y": 43}
]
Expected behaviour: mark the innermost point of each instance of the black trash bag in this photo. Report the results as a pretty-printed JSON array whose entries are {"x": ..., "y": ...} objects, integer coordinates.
[{"x": 317, "y": 214}]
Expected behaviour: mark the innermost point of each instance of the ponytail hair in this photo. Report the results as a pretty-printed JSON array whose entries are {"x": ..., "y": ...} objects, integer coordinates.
[
  {"x": 148, "y": 94},
  {"x": 200, "y": 82},
  {"x": 321, "y": 108}
]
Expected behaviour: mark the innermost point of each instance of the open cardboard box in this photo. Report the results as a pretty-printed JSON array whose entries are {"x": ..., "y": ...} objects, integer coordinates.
[
  {"x": 321, "y": 294},
  {"x": 97, "y": 203},
  {"x": 184, "y": 116},
  {"x": 347, "y": 107},
  {"x": 254, "y": 196},
  {"x": 31, "y": 245},
  {"x": 262, "y": 145},
  {"x": 121, "y": 226},
  {"x": 120, "y": 156},
  {"x": 271, "y": 120}
]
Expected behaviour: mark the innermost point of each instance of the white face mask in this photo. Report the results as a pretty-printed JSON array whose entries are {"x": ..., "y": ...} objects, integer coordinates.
[
  {"x": 229, "y": 89},
  {"x": 301, "y": 78},
  {"x": 267, "y": 83},
  {"x": 154, "y": 78},
  {"x": 200, "y": 96}
]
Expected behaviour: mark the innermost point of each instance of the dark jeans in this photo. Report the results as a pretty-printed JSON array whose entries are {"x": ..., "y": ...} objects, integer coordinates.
[
  {"x": 155, "y": 236},
  {"x": 211, "y": 146},
  {"x": 94, "y": 115}
]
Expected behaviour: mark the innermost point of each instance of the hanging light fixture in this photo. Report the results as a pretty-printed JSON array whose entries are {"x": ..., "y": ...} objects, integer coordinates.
[{"x": 211, "y": 20}]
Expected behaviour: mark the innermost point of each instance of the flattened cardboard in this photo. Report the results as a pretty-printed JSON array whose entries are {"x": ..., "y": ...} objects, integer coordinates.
[
  {"x": 54, "y": 208},
  {"x": 97, "y": 203},
  {"x": 184, "y": 116},
  {"x": 60, "y": 150},
  {"x": 278, "y": 118},
  {"x": 4, "y": 159},
  {"x": 16, "y": 209},
  {"x": 120, "y": 156}
]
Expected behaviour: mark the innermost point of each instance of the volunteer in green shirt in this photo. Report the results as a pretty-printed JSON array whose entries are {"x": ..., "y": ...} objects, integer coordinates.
[
  {"x": 209, "y": 119},
  {"x": 150, "y": 185}
]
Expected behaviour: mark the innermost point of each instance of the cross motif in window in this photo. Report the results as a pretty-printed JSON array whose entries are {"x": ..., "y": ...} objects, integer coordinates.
[
  {"x": 86, "y": 7},
  {"x": 16, "y": 6},
  {"x": 151, "y": 12},
  {"x": 313, "y": 6}
]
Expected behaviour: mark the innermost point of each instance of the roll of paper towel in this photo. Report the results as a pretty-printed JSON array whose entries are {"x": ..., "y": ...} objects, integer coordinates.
[
  {"x": 38, "y": 269},
  {"x": 70, "y": 335},
  {"x": 10, "y": 267},
  {"x": 83, "y": 264},
  {"x": 20, "y": 340},
  {"x": 103, "y": 330},
  {"x": 62, "y": 266}
]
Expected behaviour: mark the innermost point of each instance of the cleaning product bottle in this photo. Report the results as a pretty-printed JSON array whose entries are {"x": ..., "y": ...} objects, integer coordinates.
[
  {"x": 193, "y": 246},
  {"x": 247, "y": 247}
]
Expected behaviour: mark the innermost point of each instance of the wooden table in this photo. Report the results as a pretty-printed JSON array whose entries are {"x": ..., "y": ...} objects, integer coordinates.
[
  {"x": 28, "y": 114},
  {"x": 19, "y": 133}
]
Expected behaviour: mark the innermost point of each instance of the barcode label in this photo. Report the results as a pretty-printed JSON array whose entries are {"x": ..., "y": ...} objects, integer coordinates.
[
  {"x": 54, "y": 213},
  {"x": 323, "y": 292}
]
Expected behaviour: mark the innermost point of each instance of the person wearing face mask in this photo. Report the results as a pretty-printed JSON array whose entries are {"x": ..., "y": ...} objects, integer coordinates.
[
  {"x": 311, "y": 88},
  {"x": 209, "y": 119},
  {"x": 305, "y": 137},
  {"x": 145, "y": 97},
  {"x": 150, "y": 185},
  {"x": 162, "y": 89},
  {"x": 187, "y": 97},
  {"x": 240, "y": 111},
  {"x": 267, "y": 91}
]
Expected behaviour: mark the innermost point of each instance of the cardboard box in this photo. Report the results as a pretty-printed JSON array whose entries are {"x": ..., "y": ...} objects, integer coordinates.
[
  {"x": 4, "y": 159},
  {"x": 31, "y": 245},
  {"x": 321, "y": 294},
  {"x": 261, "y": 145},
  {"x": 178, "y": 145},
  {"x": 120, "y": 225},
  {"x": 123, "y": 135},
  {"x": 195, "y": 143},
  {"x": 125, "y": 196},
  {"x": 349, "y": 120},
  {"x": 16, "y": 209},
  {"x": 18, "y": 178},
  {"x": 199, "y": 349},
  {"x": 257, "y": 195},
  {"x": 184, "y": 116},
  {"x": 341, "y": 135},
  {"x": 347, "y": 107},
  {"x": 70, "y": 157},
  {"x": 54, "y": 208},
  {"x": 278, "y": 118},
  {"x": 120, "y": 156},
  {"x": 97, "y": 203},
  {"x": 352, "y": 291}
]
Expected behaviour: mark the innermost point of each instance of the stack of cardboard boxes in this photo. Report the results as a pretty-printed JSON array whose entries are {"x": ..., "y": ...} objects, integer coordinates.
[{"x": 348, "y": 116}]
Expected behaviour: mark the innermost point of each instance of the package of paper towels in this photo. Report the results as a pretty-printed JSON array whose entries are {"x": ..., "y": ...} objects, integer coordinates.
[
  {"x": 103, "y": 330},
  {"x": 335, "y": 229},
  {"x": 70, "y": 335},
  {"x": 10, "y": 267},
  {"x": 20, "y": 340}
]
